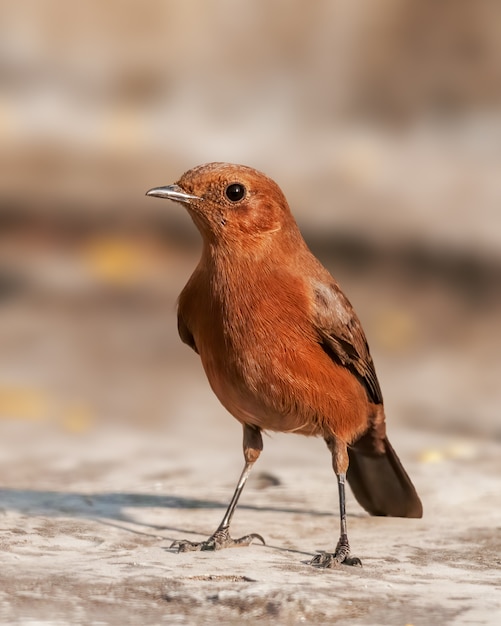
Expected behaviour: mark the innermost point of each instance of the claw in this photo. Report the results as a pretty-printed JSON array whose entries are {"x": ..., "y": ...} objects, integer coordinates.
[
  {"x": 247, "y": 540},
  {"x": 330, "y": 560},
  {"x": 185, "y": 545},
  {"x": 334, "y": 559},
  {"x": 219, "y": 540}
]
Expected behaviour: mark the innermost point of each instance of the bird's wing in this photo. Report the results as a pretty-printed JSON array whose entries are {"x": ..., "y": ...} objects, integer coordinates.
[{"x": 342, "y": 336}]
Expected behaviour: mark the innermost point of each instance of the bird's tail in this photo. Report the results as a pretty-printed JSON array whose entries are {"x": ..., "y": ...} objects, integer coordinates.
[{"x": 379, "y": 481}]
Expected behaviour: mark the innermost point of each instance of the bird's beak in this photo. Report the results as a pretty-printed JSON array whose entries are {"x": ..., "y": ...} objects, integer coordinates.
[{"x": 172, "y": 192}]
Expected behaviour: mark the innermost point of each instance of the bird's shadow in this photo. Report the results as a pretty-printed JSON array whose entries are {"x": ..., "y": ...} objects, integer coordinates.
[{"x": 113, "y": 508}]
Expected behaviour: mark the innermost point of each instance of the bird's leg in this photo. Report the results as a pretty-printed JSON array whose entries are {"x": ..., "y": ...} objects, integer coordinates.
[
  {"x": 253, "y": 444},
  {"x": 342, "y": 553}
]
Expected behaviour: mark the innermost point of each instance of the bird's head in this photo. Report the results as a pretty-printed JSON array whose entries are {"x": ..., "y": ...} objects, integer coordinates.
[{"x": 230, "y": 204}]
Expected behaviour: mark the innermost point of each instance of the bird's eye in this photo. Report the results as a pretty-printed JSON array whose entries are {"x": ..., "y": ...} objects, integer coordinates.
[{"x": 235, "y": 192}]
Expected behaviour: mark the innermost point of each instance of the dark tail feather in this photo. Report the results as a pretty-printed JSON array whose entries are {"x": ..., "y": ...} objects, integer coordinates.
[{"x": 380, "y": 483}]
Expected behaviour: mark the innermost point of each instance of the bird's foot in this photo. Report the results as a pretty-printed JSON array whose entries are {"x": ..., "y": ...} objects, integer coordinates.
[
  {"x": 334, "y": 559},
  {"x": 219, "y": 540}
]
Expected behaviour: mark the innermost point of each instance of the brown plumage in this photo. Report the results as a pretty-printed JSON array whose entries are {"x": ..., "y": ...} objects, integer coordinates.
[{"x": 281, "y": 345}]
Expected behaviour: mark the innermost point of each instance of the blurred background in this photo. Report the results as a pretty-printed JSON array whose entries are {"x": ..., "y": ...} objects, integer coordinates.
[{"x": 381, "y": 121}]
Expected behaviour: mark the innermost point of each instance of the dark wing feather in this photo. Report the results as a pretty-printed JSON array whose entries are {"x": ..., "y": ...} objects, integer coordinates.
[
  {"x": 343, "y": 338},
  {"x": 375, "y": 473}
]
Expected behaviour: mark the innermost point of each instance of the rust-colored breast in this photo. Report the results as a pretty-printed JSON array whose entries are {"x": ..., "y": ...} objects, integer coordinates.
[{"x": 264, "y": 360}]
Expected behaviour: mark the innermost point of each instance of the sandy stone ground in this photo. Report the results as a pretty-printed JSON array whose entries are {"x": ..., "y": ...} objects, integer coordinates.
[
  {"x": 112, "y": 447},
  {"x": 87, "y": 521}
]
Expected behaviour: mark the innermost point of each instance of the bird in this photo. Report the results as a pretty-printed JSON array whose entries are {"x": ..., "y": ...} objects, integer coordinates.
[{"x": 281, "y": 345}]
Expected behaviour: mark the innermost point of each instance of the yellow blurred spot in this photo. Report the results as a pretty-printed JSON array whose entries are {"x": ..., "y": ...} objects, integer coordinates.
[
  {"x": 78, "y": 419},
  {"x": 23, "y": 403},
  {"x": 395, "y": 329},
  {"x": 431, "y": 456},
  {"x": 115, "y": 260},
  {"x": 462, "y": 450}
]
